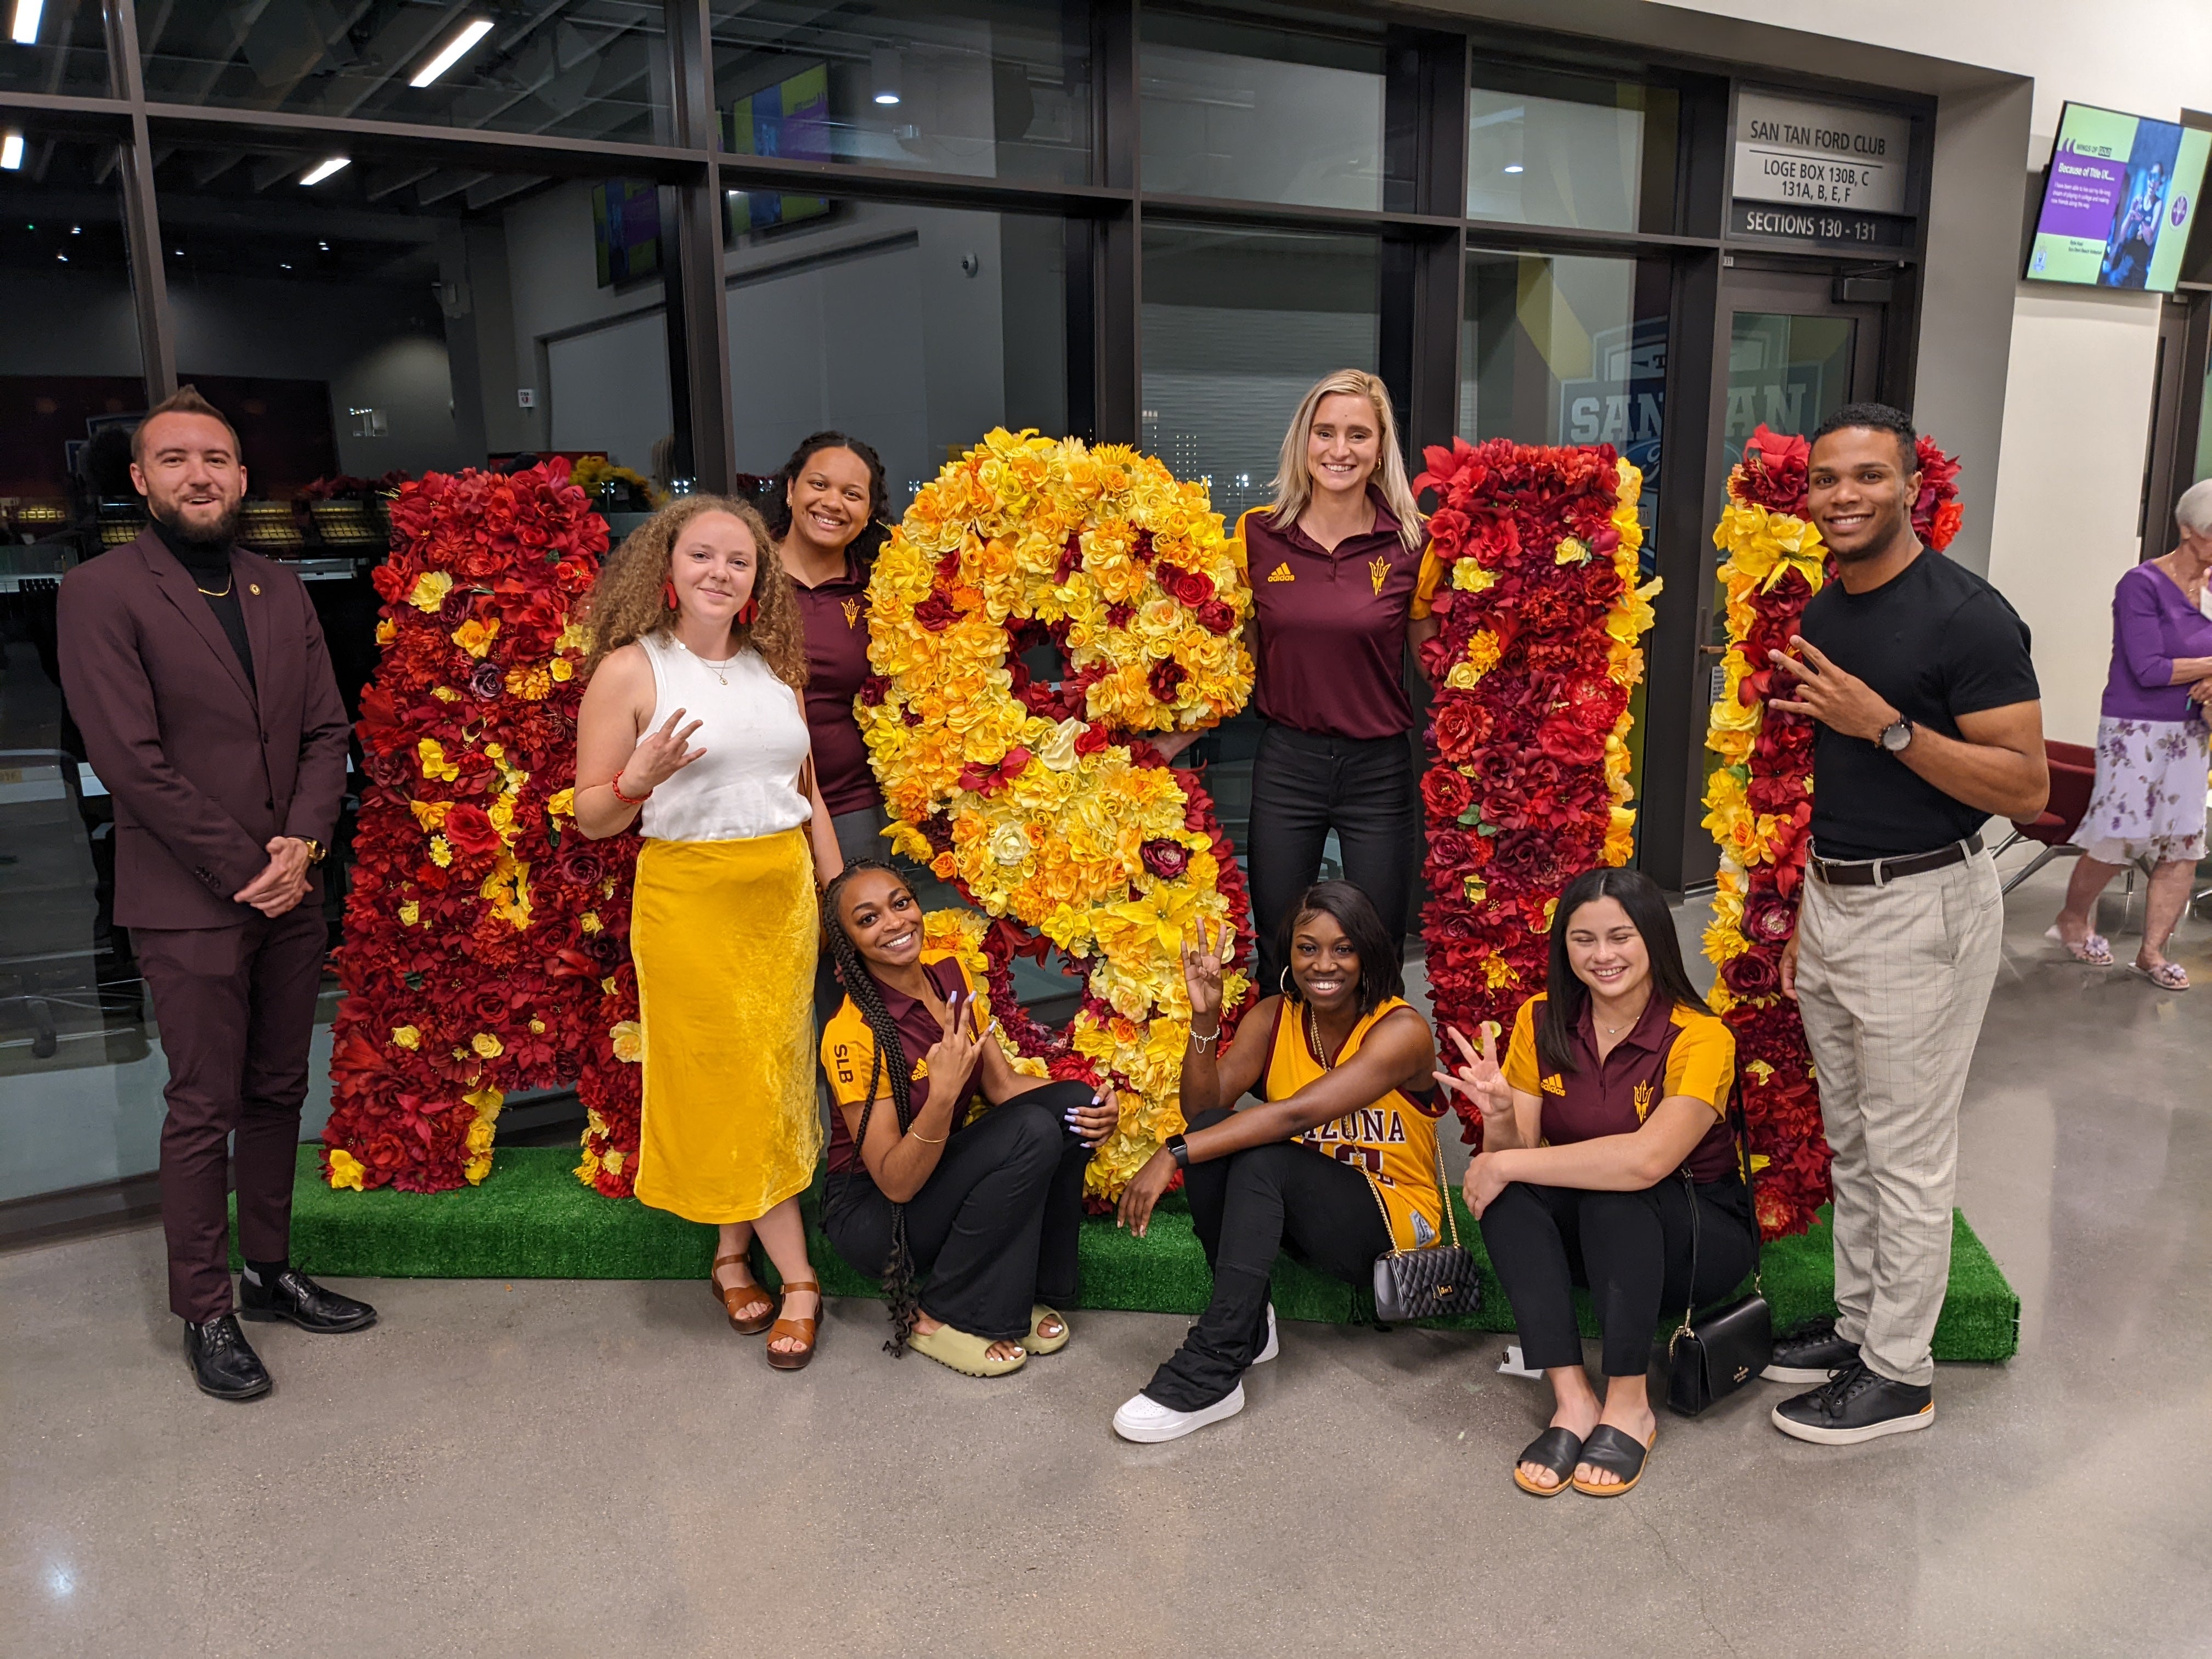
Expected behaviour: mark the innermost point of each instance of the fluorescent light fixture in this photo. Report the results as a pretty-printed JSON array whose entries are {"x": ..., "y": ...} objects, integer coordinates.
[
  {"x": 884, "y": 74},
  {"x": 11, "y": 151},
  {"x": 24, "y": 28},
  {"x": 453, "y": 50},
  {"x": 1514, "y": 167},
  {"x": 323, "y": 170}
]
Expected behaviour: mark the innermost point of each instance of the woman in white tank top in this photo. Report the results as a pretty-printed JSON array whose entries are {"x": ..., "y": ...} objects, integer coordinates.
[{"x": 691, "y": 728}]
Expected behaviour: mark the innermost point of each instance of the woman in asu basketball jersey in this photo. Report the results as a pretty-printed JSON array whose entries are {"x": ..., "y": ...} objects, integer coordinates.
[{"x": 1340, "y": 1163}]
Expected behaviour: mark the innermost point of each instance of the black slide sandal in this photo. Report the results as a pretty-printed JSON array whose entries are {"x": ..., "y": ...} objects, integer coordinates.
[
  {"x": 1616, "y": 1452},
  {"x": 1556, "y": 1449}
]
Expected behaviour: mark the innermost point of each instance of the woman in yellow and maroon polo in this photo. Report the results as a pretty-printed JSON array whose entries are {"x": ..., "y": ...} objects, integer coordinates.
[{"x": 1334, "y": 562}]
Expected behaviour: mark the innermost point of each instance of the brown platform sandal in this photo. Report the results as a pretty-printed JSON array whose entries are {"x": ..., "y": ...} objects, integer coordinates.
[
  {"x": 746, "y": 1293},
  {"x": 802, "y": 1330}
]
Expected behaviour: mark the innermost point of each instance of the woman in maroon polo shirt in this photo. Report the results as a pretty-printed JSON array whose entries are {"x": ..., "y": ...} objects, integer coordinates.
[
  {"x": 1607, "y": 1123},
  {"x": 826, "y": 510},
  {"x": 1332, "y": 562}
]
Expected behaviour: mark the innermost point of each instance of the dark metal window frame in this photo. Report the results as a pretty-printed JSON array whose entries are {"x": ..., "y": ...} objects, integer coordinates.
[{"x": 1422, "y": 230}]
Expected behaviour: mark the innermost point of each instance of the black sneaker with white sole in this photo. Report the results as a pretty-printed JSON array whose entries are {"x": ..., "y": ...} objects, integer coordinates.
[
  {"x": 1810, "y": 1352},
  {"x": 1855, "y": 1404}
]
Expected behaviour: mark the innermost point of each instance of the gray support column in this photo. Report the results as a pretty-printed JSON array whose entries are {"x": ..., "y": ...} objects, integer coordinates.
[{"x": 142, "y": 226}]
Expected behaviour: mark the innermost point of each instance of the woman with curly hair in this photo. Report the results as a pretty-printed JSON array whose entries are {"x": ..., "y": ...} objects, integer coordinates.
[{"x": 690, "y": 728}]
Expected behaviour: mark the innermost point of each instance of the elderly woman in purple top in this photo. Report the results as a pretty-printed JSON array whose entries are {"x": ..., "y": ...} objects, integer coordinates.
[{"x": 2151, "y": 754}]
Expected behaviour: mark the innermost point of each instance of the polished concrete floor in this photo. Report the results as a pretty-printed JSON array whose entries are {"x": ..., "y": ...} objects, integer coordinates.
[{"x": 554, "y": 1469}]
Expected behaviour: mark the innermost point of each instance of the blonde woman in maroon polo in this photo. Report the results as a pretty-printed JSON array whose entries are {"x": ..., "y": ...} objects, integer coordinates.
[{"x": 1334, "y": 562}]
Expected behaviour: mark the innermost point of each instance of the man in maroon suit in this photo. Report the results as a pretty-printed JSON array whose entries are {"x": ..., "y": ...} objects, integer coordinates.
[{"x": 197, "y": 673}]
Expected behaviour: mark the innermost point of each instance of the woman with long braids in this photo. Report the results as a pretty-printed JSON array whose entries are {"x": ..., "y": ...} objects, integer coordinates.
[
  {"x": 1340, "y": 1163},
  {"x": 953, "y": 1177},
  {"x": 826, "y": 508},
  {"x": 690, "y": 728},
  {"x": 1334, "y": 562}
]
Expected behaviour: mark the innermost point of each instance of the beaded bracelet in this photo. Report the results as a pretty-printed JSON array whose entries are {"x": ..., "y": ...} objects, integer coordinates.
[
  {"x": 1205, "y": 1043},
  {"x": 615, "y": 784}
]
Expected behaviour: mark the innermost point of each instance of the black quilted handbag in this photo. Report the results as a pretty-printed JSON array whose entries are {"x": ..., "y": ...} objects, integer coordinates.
[
  {"x": 1428, "y": 1282},
  {"x": 1709, "y": 1358}
]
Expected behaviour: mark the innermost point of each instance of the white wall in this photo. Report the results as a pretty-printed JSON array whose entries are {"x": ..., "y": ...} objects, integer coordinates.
[{"x": 2070, "y": 487}]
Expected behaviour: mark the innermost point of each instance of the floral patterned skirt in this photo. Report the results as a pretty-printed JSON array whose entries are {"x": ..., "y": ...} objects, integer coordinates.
[{"x": 2148, "y": 802}]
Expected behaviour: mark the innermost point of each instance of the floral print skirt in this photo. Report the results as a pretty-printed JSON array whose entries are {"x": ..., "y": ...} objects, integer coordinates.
[{"x": 2148, "y": 802}]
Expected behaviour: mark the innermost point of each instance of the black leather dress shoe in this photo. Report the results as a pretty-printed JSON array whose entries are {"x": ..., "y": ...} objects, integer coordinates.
[
  {"x": 1810, "y": 1352},
  {"x": 1856, "y": 1404},
  {"x": 223, "y": 1362},
  {"x": 295, "y": 1296}
]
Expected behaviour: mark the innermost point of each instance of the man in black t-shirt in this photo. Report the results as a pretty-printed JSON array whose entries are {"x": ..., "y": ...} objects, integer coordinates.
[{"x": 1917, "y": 671}]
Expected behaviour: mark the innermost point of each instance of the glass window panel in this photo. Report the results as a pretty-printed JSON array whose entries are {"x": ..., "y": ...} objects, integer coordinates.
[
  {"x": 2204, "y": 431},
  {"x": 1550, "y": 150},
  {"x": 1569, "y": 349},
  {"x": 67, "y": 50},
  {"x": 1237, "y": 325},
  {"x": 917, "y": 329},
  {"x": 1240, "y": 113},
  {"x": 80, "y": 1073},
  {"x": 988, "y": 88},
  {"x": 580, "y": 69}
]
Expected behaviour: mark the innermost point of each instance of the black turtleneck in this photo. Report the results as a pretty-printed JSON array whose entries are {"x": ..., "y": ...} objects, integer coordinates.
[{"x": 207, "y": 563}]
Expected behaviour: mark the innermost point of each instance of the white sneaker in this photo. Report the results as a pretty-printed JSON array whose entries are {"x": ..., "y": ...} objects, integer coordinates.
[
  {"x": 1144, "y": 1420},
  {"x": 1270, "y": 1348}
]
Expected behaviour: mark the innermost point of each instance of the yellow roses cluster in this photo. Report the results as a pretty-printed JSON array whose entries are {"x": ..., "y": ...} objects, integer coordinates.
[
  {"x": 1046, "y": 821},
  {"x": 1763, "y": 547},
  {"x": 1628, "y": 620}
]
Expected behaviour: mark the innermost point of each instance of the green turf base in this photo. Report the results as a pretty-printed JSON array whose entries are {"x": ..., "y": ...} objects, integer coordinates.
[{"x": 532, "y": 1218}]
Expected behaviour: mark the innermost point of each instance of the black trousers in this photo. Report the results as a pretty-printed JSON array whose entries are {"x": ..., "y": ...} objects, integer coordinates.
[
  {"x": 1303, "y": 786},
  {"x": 993, "y": 1229},
  {"x": 1630, "y": 1250},
  {"x": 1245, "y": 1209}
]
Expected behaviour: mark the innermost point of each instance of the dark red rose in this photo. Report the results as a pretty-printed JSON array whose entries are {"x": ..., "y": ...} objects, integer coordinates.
[
  {"x": 488, "y": 1007},
  {"x": 581, "y": 863},
  {"x": 486, "y": 683},
  {"x": 1092, "y": 738},
  {"x": 1193, "y": 588},
  {"x": 874, "y": 689},
  {"x": 1452, "y": 849},
  {"x": 1217, "y": 617},
  {"x": 1167, "y": 674},
  {"x": 1071, "y": 556},
  {"x": 937, "y": 613},
  {"x": 1754, "y": 974},
  {"x": 1118, "y": 614},
  {"x": 1768, "y": 919},
  {"x": 1446, "y": 790},
  {"x": 1165, "y": 859},
  {"x": 1142, "y": 548}
]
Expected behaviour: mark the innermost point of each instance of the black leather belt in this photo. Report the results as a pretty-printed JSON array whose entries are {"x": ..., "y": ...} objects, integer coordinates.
[{"x": 1878, "y": 873}]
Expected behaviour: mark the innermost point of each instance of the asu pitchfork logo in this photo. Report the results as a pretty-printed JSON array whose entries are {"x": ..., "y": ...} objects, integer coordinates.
[
  {"x": 852, "y": 609},
  {"x": 1378, "y": 572}
]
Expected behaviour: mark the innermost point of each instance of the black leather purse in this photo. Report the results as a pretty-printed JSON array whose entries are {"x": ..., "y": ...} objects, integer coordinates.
[
  {"x": 1431, "y": 1280},
  {"x": 1709, "y": 1358}
]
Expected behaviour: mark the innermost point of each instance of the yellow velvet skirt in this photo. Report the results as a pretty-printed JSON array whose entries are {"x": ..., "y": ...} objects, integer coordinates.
[{"x": 724, "y": 935}]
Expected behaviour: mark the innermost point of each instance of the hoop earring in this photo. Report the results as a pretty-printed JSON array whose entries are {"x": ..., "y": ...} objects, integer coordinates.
[
  {"x": 1283, "y": 982},
  {"x": 668, "y": 593}
]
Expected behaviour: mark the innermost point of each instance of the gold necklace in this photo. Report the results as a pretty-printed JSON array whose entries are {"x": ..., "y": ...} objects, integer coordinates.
[
  {"x": 1313, "y": 1035},
  {"x": 227, "y": 587},
  {"x": 717, "y": 669}
]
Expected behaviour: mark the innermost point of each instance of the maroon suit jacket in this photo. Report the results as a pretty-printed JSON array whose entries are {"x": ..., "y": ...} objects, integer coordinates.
[{"x": 204, "y": 767}]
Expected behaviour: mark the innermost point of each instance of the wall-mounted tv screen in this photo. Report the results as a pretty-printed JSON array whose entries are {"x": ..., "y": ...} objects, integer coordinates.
[
  {"x": 789, "y": 118},
  {"x": 2119, "y": 200},
  {"x": 626, "y": 229}
]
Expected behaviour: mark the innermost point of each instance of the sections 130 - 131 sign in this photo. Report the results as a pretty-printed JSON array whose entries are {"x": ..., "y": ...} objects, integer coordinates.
[{"x": 1830, "y": 173}]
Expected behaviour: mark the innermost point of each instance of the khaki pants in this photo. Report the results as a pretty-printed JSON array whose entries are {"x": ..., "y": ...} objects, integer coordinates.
[{"x": 1893, "y": 981}]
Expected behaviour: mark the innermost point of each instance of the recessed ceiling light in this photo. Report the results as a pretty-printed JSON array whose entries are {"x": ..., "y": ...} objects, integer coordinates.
[
  {"x": 323, "y": 170},
  {"x": 1516, "y": 168},
  {"x": 325, "y": 247},
  {"x": 453, "y": 50},
  {"x": 11, "y": 156},
  {"x": 24, "y": 29},
  {"x": 281, "y": 265},
  {"x": 63, "y": 258},
  {"x": 76, "y": 230}
]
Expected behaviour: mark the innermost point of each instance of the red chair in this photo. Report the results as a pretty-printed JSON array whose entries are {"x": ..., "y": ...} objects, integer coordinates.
[{"x": 2073, "y": 776}]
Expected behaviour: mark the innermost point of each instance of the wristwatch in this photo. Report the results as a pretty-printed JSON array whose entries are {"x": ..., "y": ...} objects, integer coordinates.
[
  {"x": 1179, "y": 1149},
  {"x": 1896, "y": 735},
  {"x": 316, "y": 851}
]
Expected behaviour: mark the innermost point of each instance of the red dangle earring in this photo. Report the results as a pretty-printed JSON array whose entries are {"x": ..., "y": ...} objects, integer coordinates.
[
  {"x": 747, "y": 612},
  {"x": 668, "y": 593}
]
